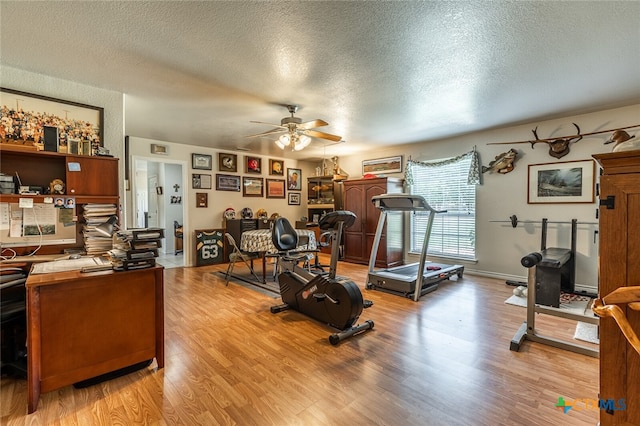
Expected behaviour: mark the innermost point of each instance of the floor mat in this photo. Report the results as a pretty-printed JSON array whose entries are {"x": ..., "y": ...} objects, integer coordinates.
[
  {"x": 270, "y": 288},
  {"x": 573, "y": 303}
]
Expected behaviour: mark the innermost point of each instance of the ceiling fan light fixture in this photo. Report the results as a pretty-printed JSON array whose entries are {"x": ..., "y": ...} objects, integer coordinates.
[
  {"x": 301, "y": 143},
  {"x": 285, "y": 139}
]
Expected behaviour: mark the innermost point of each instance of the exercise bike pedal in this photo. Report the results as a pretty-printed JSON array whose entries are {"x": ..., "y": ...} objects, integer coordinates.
[{"x": 367, "y": 304}]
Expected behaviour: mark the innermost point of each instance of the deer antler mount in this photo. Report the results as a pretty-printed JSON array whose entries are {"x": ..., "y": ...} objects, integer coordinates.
[{"x": 559, "y": 147}]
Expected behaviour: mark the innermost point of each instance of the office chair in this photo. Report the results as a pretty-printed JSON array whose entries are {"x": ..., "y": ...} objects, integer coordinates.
[
  {"x": 178, "y": 234},
  {"x": 13, "y": 322},
  {"x": 237, "y": 254}
]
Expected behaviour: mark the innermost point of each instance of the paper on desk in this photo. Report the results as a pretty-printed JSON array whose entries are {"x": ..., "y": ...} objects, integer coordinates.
[{"x": 69, "y": 264}]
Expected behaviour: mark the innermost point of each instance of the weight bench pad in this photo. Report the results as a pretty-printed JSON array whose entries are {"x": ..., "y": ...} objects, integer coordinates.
[{"x": 555, "y": 257}]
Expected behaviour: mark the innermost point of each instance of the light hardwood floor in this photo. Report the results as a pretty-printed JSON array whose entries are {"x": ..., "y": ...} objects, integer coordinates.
[{"x": 444, "y": 360}]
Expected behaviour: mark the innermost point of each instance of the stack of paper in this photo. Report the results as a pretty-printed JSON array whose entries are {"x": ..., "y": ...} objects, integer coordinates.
[{"x": 96, "y": 214}]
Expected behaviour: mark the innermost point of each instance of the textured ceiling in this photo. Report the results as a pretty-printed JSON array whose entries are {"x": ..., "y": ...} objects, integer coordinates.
[{"x": 379, "y": 73}]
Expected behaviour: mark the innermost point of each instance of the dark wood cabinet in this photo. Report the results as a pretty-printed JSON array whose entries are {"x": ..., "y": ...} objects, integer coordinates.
[
  {"x": 619, "y": 266},
  {"x": 358, "y": 238}
]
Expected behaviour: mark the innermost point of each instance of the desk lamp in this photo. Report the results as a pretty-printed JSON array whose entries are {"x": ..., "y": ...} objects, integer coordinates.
[{"x": 107, "y": 228}]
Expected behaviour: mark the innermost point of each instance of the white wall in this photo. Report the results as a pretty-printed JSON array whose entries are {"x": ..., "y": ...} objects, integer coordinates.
[
  {"x": 499, "y": 247},
  {"x": 218, "y": 201}
]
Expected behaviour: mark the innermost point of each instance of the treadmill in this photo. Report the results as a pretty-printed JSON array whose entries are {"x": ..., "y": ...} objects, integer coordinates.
[{"x": 405, "y": 279}]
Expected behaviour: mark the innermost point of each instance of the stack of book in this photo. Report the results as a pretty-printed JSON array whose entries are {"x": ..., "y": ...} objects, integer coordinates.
[
  {"x": 96, "y": 244},
  {"x": 136, "y": 248}
]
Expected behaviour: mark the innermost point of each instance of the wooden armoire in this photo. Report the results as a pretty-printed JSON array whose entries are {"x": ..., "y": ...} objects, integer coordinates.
[
  {"x": 619, "y": 266},
  {"x": 358, "y": 238}
]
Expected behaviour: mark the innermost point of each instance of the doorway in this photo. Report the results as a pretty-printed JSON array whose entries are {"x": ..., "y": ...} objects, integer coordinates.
[{"x": 158, "y": 190}]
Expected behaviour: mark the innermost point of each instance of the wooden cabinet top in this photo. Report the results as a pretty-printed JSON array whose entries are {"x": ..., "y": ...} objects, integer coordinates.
[{"x": 615, "y": 163}]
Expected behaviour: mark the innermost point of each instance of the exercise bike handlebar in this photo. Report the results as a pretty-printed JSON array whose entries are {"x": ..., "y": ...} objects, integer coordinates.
[
  {"x": 330, "y": 220},
  {"x": 531, "y": 260}
]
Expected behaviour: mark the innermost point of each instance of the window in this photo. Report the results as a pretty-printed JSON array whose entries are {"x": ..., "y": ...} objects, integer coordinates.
[{"x": 444, "y": 184}]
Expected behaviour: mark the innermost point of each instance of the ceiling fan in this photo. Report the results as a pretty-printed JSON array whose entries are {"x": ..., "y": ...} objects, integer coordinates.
[{"x": 296, "y": 133}]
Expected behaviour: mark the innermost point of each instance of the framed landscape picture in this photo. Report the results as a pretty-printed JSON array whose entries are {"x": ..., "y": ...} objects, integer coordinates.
[
  {"x": 275, "y": 188},
  {"x": 382, "y": 165},
  {"x": 566, "y": 182},
  {"x": 252, "y": 187}
]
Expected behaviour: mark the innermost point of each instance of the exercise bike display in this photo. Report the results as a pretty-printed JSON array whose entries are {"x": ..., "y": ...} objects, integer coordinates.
[{"x": 336, "y": 301}]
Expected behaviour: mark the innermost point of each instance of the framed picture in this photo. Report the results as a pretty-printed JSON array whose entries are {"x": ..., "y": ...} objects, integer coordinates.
[
  {"x": 201, "y": 161},
  {"x": 566, "y": 182},
  {"x": 201, "y": 199},
  {"x": 294, "y": 198},
  {"x": 227, "y": 162},
  {"x": 253, "y": 164},
  {"x": 227, "y": 183},
  {"x": 252, "y": 187},
  {"x": 276, "y": 167},
  {"x": 382, "y": 165},
  {"x": 275, "y": 188},
  {"x": 201, "y": 181},
  {"x": 54, "y": 123},
  {"x": 294, "y": 179}
]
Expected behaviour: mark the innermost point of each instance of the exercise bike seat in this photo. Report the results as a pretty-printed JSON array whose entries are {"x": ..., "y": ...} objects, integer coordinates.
[{"x": 331, "y": 220}]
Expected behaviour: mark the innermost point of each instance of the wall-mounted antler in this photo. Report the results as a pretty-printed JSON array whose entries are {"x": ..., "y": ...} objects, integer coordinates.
[{"x": 559, "y": 147}]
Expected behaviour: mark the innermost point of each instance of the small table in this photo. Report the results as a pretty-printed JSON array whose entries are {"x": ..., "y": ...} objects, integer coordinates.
[{"x": 259, "y": 241}]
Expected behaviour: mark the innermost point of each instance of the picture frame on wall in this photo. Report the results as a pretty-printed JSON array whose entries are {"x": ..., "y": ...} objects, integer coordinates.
[
  {"x": 253, "y": 164},
  {"x": 199, "y": 181},
  {"x": 382, "y": 165},
  {"x": 83, "y": 121},
  {"x": 276, "y": 167},
  {"x": 227, "y": 162},
  {"x": 227, "y": 183},
  {"x": 565, "y": 182},
  {"x": 201, "y": 161},
  {"x": 202, "y": 199},
  {"x": 252, "y": 187},
  {"x": 294, "y": 179},
  {"x": 294, "y": 198},
  {"x": 275, "y": 188}
]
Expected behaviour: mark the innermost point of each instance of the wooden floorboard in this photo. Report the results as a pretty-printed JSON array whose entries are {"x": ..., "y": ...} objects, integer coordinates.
[{"x": 444, "y": 360}]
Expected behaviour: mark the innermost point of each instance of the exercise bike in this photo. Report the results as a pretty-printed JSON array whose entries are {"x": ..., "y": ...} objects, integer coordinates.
[{"x": 335, "y": 301}]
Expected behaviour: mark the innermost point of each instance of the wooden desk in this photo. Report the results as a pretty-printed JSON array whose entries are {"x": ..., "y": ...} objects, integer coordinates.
[{"x": 82, "y": 325}]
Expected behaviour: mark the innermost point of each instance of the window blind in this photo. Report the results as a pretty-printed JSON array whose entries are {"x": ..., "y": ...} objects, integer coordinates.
[{"x": 445, "y": 187}]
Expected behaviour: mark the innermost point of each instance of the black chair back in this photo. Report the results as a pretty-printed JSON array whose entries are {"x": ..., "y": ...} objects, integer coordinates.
[{"x": 283, "y": 235}]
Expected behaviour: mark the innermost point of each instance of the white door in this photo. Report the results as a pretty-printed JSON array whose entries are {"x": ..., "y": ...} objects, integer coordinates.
[{"x": 153, "y": 201}]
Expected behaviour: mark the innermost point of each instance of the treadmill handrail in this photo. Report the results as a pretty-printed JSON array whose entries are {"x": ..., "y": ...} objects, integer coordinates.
[{"x": 403, "y": 203}]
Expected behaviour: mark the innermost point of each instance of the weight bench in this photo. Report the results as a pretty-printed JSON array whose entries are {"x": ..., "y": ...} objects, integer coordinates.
[{"x": 556, "y": 270}]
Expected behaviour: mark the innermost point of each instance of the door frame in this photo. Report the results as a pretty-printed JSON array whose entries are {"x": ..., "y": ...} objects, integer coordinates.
[{"x": 168, "y": 228}]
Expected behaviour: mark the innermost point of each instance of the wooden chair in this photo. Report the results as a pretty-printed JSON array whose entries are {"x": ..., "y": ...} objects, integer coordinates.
[
  {"x": 237, "y": 254},
  {"x": 178, "y": 237}
]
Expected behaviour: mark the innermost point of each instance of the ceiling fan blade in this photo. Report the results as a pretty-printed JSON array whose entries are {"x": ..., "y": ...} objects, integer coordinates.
[
  {"x": 312, "y": 124},
  {"x": 269, "y": 124},
  {"x": 267, "y": 133},
  {"x": 321, "y": 135}
]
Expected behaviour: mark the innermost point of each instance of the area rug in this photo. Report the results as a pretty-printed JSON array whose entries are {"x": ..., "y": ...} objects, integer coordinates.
[
  {"x": 573, "y": 303},
  {"x": 269, "y": 288}
]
